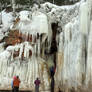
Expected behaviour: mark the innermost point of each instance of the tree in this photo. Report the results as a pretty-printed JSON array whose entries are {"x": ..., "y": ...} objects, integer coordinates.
[
  {"x": 62, "y": 2},
  {"x": 13, "y": 6}
]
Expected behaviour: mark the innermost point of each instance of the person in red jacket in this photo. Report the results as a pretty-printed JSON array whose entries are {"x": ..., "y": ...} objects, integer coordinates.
[
  {"x": 16, "y": 84},
  {"x": 37, "y": 83}
]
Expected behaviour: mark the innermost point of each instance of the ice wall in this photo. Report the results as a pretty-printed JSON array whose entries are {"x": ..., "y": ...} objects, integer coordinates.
[
  {"x": 74, "y": 54},
  {"x": 28, "y": 69},
  {"x": 28, "y": 23},
  {"x": 16, "y": 59},
  {"x": 74, "y": 66},
  {"x": 89, "y": 59}
]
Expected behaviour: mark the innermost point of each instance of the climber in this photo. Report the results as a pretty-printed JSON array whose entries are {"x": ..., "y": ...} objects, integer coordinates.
[
  {"x": 52, "y": 84},
  {"x": 37, "y": 83},
  {"x": 52, "y": 71},
  {"x": 16, "y": 83}
]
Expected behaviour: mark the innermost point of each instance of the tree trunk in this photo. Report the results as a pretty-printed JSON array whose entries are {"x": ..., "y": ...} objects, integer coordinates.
[{"x": 13, "y": 6}]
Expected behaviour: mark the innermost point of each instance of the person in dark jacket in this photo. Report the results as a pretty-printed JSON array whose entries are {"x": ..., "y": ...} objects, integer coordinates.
[{"x": 37, "y": 83}]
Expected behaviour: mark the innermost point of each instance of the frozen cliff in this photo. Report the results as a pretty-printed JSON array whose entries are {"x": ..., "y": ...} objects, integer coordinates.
[
  {"x": 20, "y": 50},
  {"x": 27, "y": 43},
  {"x": 74, "y": 53}
]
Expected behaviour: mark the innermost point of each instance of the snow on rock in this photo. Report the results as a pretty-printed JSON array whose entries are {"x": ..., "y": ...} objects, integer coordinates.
[
  {"x": 1, "y": 34},
  {"x": 7, "y": 18},
  {"x": 23, "y": 15},
  {"x": 30, "y": 25},
  {"x": 61, "y": 14},
  {"x": 1, "y": 47}
]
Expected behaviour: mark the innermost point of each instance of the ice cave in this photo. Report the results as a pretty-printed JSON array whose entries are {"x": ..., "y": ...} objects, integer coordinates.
[{"x": 34, "y": 41}]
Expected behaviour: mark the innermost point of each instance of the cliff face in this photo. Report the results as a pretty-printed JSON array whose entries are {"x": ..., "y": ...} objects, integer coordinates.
[
  {"x": 20, "y": 52},
  {"x": 74, "y": 56},
  {"x": 33, "y": 44}
]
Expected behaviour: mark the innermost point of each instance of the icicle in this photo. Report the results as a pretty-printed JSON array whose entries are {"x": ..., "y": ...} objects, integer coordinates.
[
  {"x": 28, "y": 39},
  {"x": 26, "y": 36},
  {"x": 12, "y": 55},
  {"x": 33, "y": 38},
  {"x": 89, "y": 58},
  {"x": 61, "y": 43},
  {"x": 21, "y": 51},
  {"x": 35, "y": 49},
  {"x": 27, "y": 48},
  {"x": 84, "y": 19},
  {"x": 39, "y": 47}
]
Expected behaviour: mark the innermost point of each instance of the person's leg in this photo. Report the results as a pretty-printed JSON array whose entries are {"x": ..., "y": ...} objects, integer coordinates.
[
  {"x": 52, "y": 84},
  {"x": 37, "y": 88},
  {"x": 15, "y": 89}
]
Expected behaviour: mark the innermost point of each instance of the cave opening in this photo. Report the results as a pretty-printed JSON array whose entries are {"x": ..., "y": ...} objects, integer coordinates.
[{"x": 53, "y": 51}]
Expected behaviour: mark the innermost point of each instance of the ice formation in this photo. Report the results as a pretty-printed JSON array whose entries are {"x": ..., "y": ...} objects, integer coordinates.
[
  {"x": 28, "y": 68},
  {"x": 21, "y": 56},
  {"x": 74, "y": 55},
  {"x": 28, "y": 57}
]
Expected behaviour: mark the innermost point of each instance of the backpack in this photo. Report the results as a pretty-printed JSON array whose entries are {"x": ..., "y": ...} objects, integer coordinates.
[{"x": 12, "y": 83}]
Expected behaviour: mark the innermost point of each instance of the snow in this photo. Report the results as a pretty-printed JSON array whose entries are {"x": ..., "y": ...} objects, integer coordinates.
[
  {"x": 23, "y": 15},
  {"x": 61, "y": 14},
  {"x": 26, "y": 46},
  {"x": 32, "y": 26},
  {"x": 4, "y": 55},
  {"x": 7, "y": 18}
]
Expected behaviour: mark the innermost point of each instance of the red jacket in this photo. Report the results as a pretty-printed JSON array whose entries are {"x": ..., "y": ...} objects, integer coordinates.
[{"x": 16, "y": 82}]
